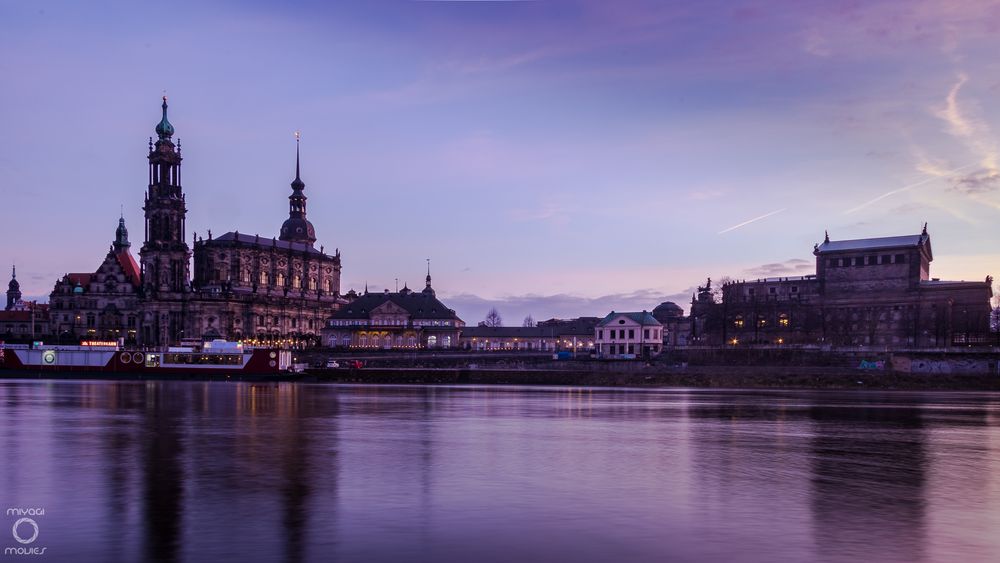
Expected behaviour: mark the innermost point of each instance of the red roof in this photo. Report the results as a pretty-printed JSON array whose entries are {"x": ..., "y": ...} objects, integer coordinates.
[
  {"x": 16, "y": 316},
  {"x": 129, "y": 265},
  {"x": 82, "y": 279}
]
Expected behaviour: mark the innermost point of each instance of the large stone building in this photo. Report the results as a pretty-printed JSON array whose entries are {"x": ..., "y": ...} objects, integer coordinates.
[
  {"x": 244, "y": 287},
  {"x": 103, "y": 304},
  {"x": 867, "y": 292}
]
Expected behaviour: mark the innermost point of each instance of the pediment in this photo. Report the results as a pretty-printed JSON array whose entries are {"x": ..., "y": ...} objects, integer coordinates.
[{"x": 388, "y": 308}]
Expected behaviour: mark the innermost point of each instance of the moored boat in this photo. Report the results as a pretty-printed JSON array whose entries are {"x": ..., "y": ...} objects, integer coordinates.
[{"x": 212, "y": 359}]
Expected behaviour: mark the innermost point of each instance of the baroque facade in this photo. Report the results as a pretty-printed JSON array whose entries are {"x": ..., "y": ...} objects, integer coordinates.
[{"x": 264, "y": 290}]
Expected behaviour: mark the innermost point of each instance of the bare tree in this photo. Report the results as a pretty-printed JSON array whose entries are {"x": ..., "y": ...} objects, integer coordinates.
[
  {"x": 493, "y": 318},
  {"x": 528, "y": 321}
]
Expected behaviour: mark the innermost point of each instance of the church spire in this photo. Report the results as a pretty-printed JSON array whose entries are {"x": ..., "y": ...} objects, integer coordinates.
[
  {"x": 297, "y": 228},
  {"x": 428, "y": 289},
  {"x": 121, "y": 236}
]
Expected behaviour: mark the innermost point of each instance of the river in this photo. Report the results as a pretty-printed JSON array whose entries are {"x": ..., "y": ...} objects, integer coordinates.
[{"x": 193, "y": 471}]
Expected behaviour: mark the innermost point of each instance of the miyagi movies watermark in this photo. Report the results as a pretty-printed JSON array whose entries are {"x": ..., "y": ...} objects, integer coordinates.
[{"x": 25, "y": 531}]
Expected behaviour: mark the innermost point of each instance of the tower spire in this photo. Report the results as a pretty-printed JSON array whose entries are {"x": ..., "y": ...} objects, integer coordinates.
[{"x": 297, "y": 228}]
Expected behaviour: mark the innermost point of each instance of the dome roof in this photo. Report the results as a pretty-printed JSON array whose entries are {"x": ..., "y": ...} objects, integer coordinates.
[
  {"x": 298, "y": 229},
  {"x": 668, "y": 309},
  {"x": 164, "y": 129}
]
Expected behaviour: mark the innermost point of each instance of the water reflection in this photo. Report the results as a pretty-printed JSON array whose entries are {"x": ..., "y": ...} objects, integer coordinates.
[{"x": 217, "y": 472}]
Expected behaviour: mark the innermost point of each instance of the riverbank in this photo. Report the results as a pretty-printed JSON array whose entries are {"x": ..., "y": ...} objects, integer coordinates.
[{"x": 692, "y": 376}]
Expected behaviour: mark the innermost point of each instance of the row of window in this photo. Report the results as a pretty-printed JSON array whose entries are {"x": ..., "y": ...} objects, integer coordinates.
[
  {"x": 738, "y": 322},
  {"x": 871, "y": 260},
  {"x": 772, "y": 290},
  {"x": 264, "y": 279},
  {"x": 619, "y": 334},
  {"x": 379, "y": 322},
  {"x": 276, "y": 320},
  {"x": 627, "y": 348}
]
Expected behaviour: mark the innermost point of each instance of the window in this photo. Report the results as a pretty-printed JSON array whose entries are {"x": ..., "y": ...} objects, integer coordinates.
[
  {"x": 621, "y": 334},
  {"x": 600, "y": 335},
  {"x": 738, "y": 323},
  {"x": 783, "y": 320},
  {"x": 296, "y": 282},
  {"x": 312, "y": 284},
  {"x": 612, "y": 333},
  {"x": 772, "y": 290},
  {"x": 750, "y": 291},
  {"x": 279, "y": 280},
  {"x": 631, "y": 333},
  {"x": 795, "y": 289},
  {"x": 900, "y": 259},
  {"x": 761, "y": 322},
  {"x": 645, "y": 333},
  {"x": 295, "y": 323},
  {"x": 264, "y": 278},
  {"x": 887, "y": 259},
  {"x": 859, "y": 261}
]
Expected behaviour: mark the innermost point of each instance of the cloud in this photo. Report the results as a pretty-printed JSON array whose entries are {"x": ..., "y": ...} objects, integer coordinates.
[
  {"x": 790, "y": 267},
  {"x": 979, "y": 182},
  {"x": 473, "y": 308},
  {"x": 966, "y": 126}
]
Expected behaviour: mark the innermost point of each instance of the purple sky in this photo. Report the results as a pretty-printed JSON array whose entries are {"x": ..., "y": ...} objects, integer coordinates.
[{"x": 552, "y": 158}]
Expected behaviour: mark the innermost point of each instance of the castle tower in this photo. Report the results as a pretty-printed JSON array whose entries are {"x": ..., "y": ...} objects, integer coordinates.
[
  {"x": 13, "y": 289},
  {"x": 297, "y": 228},
  {"x": 164, "y": 255}
]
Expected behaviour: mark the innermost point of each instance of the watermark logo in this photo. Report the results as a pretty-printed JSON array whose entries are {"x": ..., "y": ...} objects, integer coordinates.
[{"x": 25, "y": 531}]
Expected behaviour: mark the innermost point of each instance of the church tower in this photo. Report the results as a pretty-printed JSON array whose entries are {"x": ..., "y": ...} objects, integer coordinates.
[
  {"x": 165, "y": 255},
  {"x": 13, "y": 289},
  {"x": 297, "y": 228}
]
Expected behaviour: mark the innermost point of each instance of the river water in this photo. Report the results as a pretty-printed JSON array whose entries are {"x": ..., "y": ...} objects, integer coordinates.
[{"x": 181, "y": 471}]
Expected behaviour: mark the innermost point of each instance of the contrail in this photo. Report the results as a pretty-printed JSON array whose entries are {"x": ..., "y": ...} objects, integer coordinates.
[
  {"x": 745, "y": 223},
  {"x": 904, "y": 188}
]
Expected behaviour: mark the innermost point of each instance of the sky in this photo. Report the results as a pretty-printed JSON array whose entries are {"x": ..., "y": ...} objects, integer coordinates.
[{"x": 555, "y": 159}]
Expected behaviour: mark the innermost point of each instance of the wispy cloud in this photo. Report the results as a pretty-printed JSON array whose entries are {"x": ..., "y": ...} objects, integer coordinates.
[
  {"x": 792, "y": 267},
  {"x": 936, "y": 175},
  {"x": 755, "y": 219}
]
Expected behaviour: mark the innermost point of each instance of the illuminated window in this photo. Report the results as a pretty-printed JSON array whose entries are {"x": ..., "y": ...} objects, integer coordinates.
[
  {"x": 783, "y": 319},
  {"x": 738, "y": 323},
  {"x": 280, "y": 280},
  {"x": 761, "y": 322},
  {"x": 264, "y": 278}
]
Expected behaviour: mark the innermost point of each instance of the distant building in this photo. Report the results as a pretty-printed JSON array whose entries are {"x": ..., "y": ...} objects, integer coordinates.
[
  {"x": 628, "y": 335},
  {"x": 22, "y": 320},
  {"x": 405, "y": 319},
  {"x": 13, "y": 290},
  {"x": 865, "y": 292},
  {"x": 553, "y": 335},
  {"x": 676, "y": 326}
]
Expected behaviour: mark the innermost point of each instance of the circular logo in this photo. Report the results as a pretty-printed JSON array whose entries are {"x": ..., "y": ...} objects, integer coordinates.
[
  {"x": 34, "y": 534},
  {"x": 136, "y": 357},
  {"x": 125, "y": 358},
  {"x": 49, "y": 357}
]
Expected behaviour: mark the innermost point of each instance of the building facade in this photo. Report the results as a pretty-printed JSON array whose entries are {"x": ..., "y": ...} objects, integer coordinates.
[
  {"x": 103, "y": 304},
  {"x": 865, "y": 292},
  {"x": 628, "y": 336},
  {"x": 401, "y": 320}
]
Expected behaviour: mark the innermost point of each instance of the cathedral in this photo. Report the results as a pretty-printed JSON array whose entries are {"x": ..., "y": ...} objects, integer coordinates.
[{"x": 245, "y": 287}]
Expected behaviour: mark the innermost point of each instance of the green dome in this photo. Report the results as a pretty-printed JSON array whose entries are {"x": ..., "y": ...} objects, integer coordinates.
[{"x": 164, "y": 130}]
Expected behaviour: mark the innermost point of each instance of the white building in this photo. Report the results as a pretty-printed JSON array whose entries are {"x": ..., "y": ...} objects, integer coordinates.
[{"x": 628, "y": 336}]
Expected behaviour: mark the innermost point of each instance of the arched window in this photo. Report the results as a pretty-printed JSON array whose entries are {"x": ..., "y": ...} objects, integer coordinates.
[
  {"x": 327, "y": 286},
  {"x": 431, "y": 341},
  {"x": 738, "y": 323},
  {"x": 346, "y": 340},
  {"x": 446, "y": 342},
  {"x": 279, "y": 280},
  {"x": 264, "y": 278},
  {"x": 412, "y": 341},
  {"x": 296, "y": 282},
  {"x": 783, "y": 319},
  {"x": 312, "y": 284}
]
